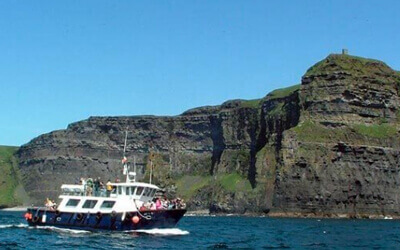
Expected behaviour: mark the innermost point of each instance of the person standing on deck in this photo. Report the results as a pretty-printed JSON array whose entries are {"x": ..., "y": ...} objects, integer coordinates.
[
  {"x": 96, "y": 184},
  {"x": 109, "y": 188}
]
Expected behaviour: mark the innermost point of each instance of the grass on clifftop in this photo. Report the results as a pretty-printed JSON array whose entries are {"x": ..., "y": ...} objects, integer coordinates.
[
  {"x": 280, "y": 93},
  {"x": 255, "y": 103},
  {"x": 8, "y": 176},
  {"x": 351, "y": 64}
]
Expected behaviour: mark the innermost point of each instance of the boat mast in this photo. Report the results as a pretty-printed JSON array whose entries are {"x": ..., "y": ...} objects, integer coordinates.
[{"x": 124, "y": 159}]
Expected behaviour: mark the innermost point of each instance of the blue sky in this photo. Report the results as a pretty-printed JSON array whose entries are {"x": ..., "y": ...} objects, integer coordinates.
[{"x": 63, "y": 61}]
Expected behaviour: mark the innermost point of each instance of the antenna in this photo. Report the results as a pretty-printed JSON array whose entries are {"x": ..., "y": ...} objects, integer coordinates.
[
  {"x": 134, "y": 168},
  {"x": 151, "y": 166}
]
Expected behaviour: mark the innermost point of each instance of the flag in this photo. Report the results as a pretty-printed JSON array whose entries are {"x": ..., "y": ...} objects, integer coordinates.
[{"x": 124, "y": 160}]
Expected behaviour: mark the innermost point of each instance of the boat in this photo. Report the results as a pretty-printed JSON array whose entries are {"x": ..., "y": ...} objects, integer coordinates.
[{"x": 129, "y": 205}]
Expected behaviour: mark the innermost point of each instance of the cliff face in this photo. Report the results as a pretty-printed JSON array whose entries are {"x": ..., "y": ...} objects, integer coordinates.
[
  {"x": 327, "y": 146},
  {"x": 343, "y": 156}
]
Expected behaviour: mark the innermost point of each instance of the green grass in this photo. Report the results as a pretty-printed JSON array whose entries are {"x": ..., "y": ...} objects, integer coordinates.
[
  {"x": 380, "y": 131},
  {"x": 255, "y": 103},
  {"x": 234, "y": 182},
  {"x": 351, "y": 64},
  {"x": 8, "y": 176},
  {"x": 277, "y": 110},
  {"x": 280, "y": 93},
  {"x": 187, "y": 186},
  {"x": 315, "y": 132}
]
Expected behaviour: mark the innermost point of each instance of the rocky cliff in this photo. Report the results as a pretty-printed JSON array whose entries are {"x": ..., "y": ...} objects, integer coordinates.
[{"x": 329, "y": 146}]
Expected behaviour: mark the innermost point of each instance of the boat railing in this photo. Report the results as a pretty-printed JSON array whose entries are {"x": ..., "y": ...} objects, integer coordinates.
[{"x": 84, "y": 190}]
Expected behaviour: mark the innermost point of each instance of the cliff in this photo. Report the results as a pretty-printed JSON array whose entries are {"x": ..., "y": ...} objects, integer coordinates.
[
  {"x": 12, "y": 192},
  {"x": 329, "y": 146}
]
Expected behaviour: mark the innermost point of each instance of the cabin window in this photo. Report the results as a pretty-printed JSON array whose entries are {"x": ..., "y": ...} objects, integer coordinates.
[
  {"x": 72, "y": 203},
  {"x": 147, "y": 191},
  {"x": 107, "y": 204},
  {"x": 128, "y": 191},
  {"x": 119, "y": 190},
  {"x": 89, "y": 204},
  {"x": 132, "y": 190},
  {"x": 139, "y": 191},
  {"x": 153, "y": 191}
]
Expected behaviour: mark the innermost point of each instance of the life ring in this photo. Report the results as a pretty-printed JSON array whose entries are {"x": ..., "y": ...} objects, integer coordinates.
[
  {"x": 79, "y": 216},
  {"x": 99, "y": 215},
  {"x": 135, "y": 219},
  {"x": 35, "y": 219}
]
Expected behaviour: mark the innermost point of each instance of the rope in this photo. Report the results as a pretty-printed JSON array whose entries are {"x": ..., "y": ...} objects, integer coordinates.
[{"x": 143, "y": 216}]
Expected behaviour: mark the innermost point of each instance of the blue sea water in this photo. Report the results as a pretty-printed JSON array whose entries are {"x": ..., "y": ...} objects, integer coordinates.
[{"x": 208, "y": 232}]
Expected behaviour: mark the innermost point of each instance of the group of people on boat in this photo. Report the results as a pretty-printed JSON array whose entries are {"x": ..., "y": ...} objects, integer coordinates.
[
  {"x": 96, "y": 187},
  {"x": 163, "y": 204}
]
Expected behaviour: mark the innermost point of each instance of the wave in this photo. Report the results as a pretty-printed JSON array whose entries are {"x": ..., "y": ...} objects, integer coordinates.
[
  {"x": 162, "y": 231},
  {"x": 21, "y": 225}
]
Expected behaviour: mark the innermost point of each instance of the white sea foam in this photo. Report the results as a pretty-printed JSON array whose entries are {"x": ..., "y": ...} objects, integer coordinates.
[
  {"x": 15, "y": 209},
  {"x": 63, "y": 230},
  {"x": 163, "y": 231},
  {"x": 21, "y": 225}
]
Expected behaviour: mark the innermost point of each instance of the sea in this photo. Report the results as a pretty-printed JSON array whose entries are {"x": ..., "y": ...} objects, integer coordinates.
[{"x": 211, "y": 232}]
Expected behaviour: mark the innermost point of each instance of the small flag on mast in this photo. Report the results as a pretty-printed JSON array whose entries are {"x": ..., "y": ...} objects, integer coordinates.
[{"x": 124, "y": 160}]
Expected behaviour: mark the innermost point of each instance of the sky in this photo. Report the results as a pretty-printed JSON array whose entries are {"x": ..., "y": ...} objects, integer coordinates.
[{"x": 64, "y": 61}]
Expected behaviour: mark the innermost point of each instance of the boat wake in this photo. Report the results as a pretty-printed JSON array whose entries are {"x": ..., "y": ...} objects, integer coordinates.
[
  {"x": 155, "y": 231},
  {"x": 162, "y": 231},
  {"x": 21, "y": 225},
  {"x": 63, "y": 230}
]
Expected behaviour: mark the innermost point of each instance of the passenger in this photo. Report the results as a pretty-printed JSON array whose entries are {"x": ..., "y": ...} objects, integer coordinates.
[
  {"x": 183, "y": 204},
  {"x": 171, "y": 205},
  {"x": 89, "y": 191},
  {"x": 82, "y": 182},
  {"x": 158, "y": 204},
  {"x": 142, "y": 208},
  {"x": 147, "y": 205},
  {"x": 109, "y": 188},
  {"x": 153, "y": 206},
  {"x": 165, "y": 203},
  {"x": 54, "y": 207},
  {"x": 47, "y": 203},
  {"x": 96, "y": 184},
  {"x": 102, "y": 189}
]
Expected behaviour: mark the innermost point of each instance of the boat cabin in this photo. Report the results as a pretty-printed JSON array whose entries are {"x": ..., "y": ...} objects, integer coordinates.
[{"x": 123, "y": 197}]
